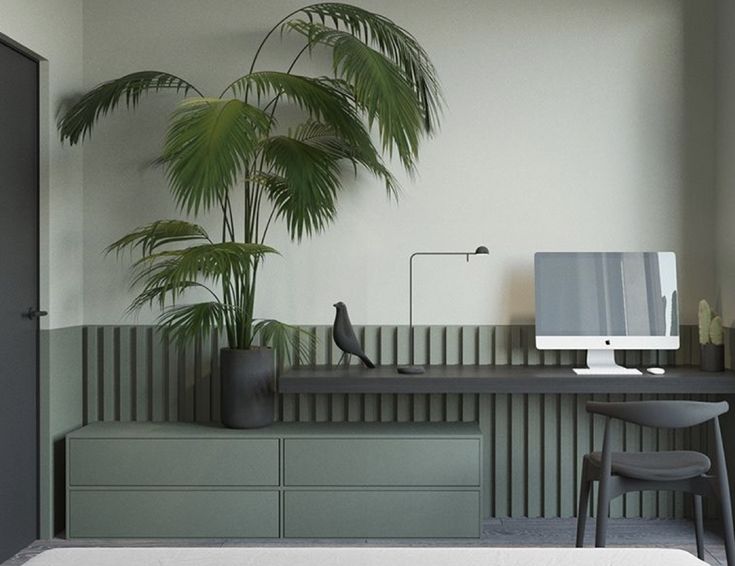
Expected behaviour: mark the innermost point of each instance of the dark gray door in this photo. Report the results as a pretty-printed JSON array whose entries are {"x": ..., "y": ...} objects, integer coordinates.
[{"x": 18, "y": 293}]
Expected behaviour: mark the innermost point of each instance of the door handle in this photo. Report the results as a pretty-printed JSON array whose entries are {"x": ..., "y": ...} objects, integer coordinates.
[{"x": 32, "y": 313}]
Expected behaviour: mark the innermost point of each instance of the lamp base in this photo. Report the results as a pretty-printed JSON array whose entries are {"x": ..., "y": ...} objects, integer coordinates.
[{"x": 411, "y": 370}]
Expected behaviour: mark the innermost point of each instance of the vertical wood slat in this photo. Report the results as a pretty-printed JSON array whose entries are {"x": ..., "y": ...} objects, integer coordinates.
[
  {"x": 550, "y": 463},
  {"x": 567, "y": 457},
  {"x": 152, "y": 396},
  {"x": 91, "y": 393},
  {"x": 469, "y": 342},
  {"x": 583, "y": 439},
  {"x": 617, "y": 436},
  {"x": 188, "y": 377},
  {"x": 203, "y": 387},
  {"x": 387, "y": 345},
  {"x": 125, "y": 356},
  {"x": 501, "y": 456},
  {"x": 649, "y": 441},
  {"x": 532, "y": 444},
  {"x": 109, "y": 375},
  {"x": 664, "y": 499},
  {"x": 172, "y": 378},
  {"x": 371, "y": 343},
  {"x": 486, "y": 345},
  {"x": 518, "y": 455},
  {"x": 140, "y": 374},
  {"x": 502, "y": 346},
  {"x": 534, "y": 460},
  {"x": 533, "y": 356},
  {"x": 437, "y": 346},
  {"x": 485, "y": 416},
  {"x": 632, "y": 443},
  {"x": 421, "y": 351}
]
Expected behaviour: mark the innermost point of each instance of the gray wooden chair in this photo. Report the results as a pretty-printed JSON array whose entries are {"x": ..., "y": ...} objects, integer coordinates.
[{"x": 678, "y": 470}]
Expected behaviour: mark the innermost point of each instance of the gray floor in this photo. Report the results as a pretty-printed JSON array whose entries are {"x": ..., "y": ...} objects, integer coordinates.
[{"x": 495, "y": 532}]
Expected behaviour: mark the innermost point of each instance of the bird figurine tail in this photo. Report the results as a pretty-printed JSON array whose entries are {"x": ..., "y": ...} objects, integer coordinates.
[{"x": 368, "y": 363}]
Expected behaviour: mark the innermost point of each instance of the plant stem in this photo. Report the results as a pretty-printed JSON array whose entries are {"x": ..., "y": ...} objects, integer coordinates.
[{"x": 262, "y": 44}]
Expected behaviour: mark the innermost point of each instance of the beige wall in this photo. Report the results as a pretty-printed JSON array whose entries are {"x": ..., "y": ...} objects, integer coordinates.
[
  {"x": 725, "y": 170},
  {"x": 53, "y": 30},
  {"x": 570, "y": 125}
]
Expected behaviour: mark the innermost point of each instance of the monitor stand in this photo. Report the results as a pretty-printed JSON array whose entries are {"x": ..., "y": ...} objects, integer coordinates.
[{"x": 602, "y": 362}]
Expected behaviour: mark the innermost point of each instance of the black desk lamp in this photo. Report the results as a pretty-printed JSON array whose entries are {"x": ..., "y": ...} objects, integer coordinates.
[{"x": 414, "y": 369}]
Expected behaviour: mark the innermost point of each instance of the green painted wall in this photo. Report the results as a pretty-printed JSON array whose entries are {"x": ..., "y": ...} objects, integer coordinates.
[
  {"x": 61, "y": 392},
  {"x": 532, "y": 443}
]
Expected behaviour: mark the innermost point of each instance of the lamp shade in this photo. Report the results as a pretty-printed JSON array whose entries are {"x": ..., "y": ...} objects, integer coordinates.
[{"x": 481, "y": 250}]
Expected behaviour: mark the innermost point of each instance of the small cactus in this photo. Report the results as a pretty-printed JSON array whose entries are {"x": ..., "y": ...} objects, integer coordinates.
[
  {"x": 705, "y": 320},
  {"x": 715, "y": 331},
  {"x": 710, "y": 325}
]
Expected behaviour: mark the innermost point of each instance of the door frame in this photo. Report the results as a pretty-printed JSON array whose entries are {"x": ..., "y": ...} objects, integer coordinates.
[{"x": 44, "y": 521}]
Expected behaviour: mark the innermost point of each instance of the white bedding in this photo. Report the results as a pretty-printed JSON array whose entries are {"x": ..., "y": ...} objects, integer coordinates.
[{"x": 363, "y": 556}]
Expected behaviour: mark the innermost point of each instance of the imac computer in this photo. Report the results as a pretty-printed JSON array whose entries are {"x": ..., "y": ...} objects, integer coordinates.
[{"x": 606, "y": 301}]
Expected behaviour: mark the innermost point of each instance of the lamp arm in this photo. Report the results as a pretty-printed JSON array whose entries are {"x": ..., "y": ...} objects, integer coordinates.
[{"x": 410, "y": 290}]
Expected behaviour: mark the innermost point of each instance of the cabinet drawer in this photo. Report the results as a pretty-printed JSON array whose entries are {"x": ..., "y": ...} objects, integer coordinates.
[
  {"x": 173, "y": 462},
  {"x": 382, "y": 462},
  {"x": 175, "y": 513},
  {"x": 376, "y": 514}
]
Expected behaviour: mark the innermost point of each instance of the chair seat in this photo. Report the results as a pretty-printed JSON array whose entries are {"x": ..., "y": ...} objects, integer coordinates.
[{"x": 671, "y": 465}]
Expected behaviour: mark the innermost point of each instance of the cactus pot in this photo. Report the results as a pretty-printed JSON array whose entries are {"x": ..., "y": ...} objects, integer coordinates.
[
  {"x": 248, "y": 396},
  {"x": 712, "y": 357}
]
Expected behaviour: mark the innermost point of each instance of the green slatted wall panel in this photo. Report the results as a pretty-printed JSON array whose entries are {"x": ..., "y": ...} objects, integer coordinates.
[{"x": 533, "y": 444}]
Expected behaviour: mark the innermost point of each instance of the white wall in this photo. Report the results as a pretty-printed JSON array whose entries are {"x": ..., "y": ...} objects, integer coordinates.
[
  {"x": 570, "y": 125},
  {"x": 725, "y": 171},
  {"x": 53, "y": 30}
]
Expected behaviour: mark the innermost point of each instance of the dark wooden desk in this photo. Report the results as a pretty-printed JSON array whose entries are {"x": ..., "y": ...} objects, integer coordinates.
[
  {"x": 532, "y": 418},
  {"x": 499, "y": 379}
]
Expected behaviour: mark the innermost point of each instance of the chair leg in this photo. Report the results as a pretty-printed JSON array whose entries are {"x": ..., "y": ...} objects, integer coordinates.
[
  {"x": 726, "y": 506},
  {"x": 585, "y": 487},
  {"x": 603, "y": 510},
  {"x": 699, "y": 525}
]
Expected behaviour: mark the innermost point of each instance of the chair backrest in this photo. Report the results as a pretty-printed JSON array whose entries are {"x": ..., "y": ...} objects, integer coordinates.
[{"x": 663, "y": 414}]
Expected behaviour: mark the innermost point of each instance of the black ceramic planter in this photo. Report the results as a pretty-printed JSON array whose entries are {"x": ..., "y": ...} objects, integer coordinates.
[
  {"x": 712, "y": 357},
  {"x": 247, "y": 378}
]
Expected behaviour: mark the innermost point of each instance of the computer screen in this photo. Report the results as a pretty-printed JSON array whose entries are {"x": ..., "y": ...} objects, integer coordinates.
[{"x": 606, "y": 300}]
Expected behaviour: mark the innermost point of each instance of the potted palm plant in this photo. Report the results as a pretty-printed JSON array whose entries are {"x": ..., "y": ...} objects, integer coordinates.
[{"x": 381, "y": 81}]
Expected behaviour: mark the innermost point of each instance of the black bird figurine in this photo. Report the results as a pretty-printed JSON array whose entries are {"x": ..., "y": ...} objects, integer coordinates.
[{"x": 344, "y": 336}]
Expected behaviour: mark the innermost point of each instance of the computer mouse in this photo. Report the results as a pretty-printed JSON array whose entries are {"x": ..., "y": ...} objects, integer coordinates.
[{"x": 656, "y": 371}]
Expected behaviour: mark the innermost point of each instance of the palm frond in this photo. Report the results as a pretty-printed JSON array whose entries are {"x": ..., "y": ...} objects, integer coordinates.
[
  {"x": 302, "y": 185},
  {"x": 392, "y": 40},
  {"x": 152, "y": 236},
  {"x": 187, "y": 322},
  {"x": 211, "y": 262},
  {"x": 77, "y": 122},
  {"x": 161, "y": 294},
  {"x": 379, "y": 87},
  {"x": 288, "y": 340},
  {"x": 324, "y": 137},
  {"x": 321, "y": 98},
  {"x": 207, "y": 146}
]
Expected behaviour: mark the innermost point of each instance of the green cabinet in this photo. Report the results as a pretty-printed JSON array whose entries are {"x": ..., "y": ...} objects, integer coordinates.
[
  {"x": 174, "y": 462},
  {"x": 381, "y": 514},
  {"x": 173, "y": 513},
  {"x": 382, "y": 462},
  {"x": 333, "y": 480}
]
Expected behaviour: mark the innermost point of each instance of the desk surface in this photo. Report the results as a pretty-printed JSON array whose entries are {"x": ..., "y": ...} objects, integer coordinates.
[{"x": 499, "y": 379}]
